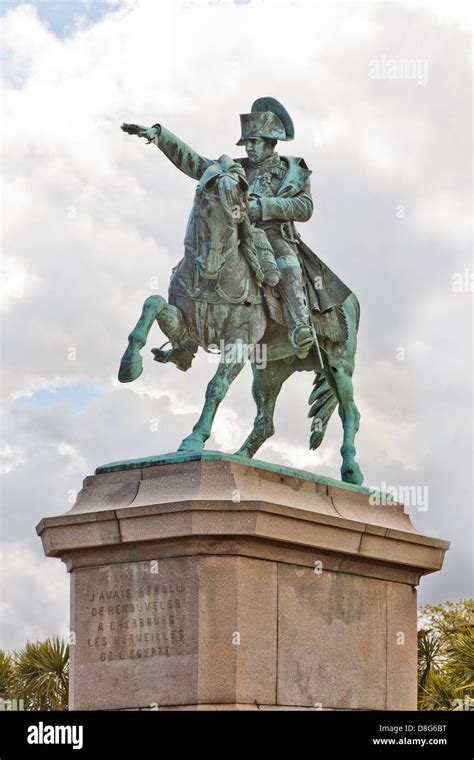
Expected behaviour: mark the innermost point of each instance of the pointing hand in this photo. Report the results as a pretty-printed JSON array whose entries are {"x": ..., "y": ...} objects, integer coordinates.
[{"x": 136, "y": 129}]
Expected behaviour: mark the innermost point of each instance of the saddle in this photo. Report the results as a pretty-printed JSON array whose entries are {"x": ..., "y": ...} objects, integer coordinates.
[{"x": 329, "y": 323}]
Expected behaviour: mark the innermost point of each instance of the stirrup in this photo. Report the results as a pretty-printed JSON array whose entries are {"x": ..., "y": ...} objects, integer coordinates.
[{"x": 182, "y": 355}]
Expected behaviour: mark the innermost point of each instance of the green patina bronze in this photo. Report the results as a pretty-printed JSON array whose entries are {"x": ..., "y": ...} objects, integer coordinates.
[
  {"x": 248, "y": 286},
  {"x": 179, "y": 457}
]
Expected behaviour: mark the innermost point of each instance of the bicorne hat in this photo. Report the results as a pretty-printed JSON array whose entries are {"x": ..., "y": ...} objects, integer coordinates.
[{"x": 267, "y": 119}]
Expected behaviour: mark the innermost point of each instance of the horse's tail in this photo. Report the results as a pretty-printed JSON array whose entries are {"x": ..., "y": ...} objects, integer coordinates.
[{"x": 323, "y": 400}]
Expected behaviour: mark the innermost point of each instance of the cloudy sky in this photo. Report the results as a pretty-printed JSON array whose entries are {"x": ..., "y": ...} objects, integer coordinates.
[{"x": 92, "y": 219}]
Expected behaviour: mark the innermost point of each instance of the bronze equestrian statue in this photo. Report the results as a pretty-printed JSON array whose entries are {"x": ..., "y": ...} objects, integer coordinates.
[{"x": 248, "y": 281}]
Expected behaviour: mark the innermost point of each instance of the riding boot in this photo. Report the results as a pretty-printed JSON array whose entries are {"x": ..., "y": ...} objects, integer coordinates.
[
  {"x": 295, "y": 310},
  {"x": 183, "y": 348}
]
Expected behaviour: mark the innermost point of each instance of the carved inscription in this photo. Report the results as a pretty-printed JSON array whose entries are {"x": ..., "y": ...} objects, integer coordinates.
[{"x": 143, "y": 619}]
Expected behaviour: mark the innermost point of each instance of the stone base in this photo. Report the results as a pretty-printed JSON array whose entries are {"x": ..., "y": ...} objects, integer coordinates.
[{"x": 206, "y": 581}]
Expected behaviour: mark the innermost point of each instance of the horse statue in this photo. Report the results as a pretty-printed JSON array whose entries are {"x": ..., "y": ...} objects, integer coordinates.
[{"x": 223, "y": 293}]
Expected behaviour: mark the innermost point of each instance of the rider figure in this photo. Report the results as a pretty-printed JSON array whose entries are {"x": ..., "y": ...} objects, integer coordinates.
[{"x": 279, "y": 195}]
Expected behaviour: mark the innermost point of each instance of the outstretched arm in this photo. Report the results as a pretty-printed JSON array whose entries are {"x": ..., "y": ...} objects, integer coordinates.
[{"x": 180, "y": 154}]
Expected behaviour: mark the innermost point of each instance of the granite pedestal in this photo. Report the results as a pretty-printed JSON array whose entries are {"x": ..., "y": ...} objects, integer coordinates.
[{"x": 207, "y": 581}]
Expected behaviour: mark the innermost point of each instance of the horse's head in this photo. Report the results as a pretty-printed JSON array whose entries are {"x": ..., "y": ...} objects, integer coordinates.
[{"x": 220, "y": 206}]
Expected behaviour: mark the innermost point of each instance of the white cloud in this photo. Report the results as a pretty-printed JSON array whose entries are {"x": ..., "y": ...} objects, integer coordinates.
[
  {"x": 444, "y": 216},
  {"x": 91, "y": 215},
  {"x": 71, "y": 453},
  {"x": 35, "y": 602},
  {"x": 15, "y": 282},
  {"x": 10, "y": 458}
]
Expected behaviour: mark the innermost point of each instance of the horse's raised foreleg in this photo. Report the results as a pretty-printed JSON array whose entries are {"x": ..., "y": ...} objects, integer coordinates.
[
  {"x": 215, "y": 393},
  {"x": 266, "y": 386},
  {"x": 171, "y": 322}
]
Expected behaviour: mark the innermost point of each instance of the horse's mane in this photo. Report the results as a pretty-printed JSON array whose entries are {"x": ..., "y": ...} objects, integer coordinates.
[{"x": 233, "y": 196}]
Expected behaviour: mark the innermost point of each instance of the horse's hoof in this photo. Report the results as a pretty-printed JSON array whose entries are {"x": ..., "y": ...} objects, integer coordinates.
[
  {"x": 243, "y": 453},
  {"x": 352, "y": 474},
  {"x": 130, "y": 370},
  {"x": 191, "y": 443}
]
